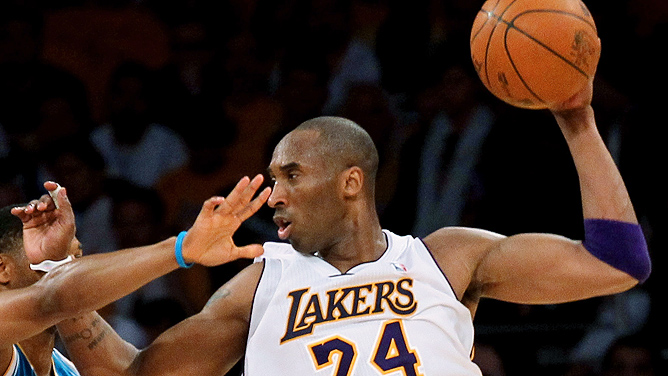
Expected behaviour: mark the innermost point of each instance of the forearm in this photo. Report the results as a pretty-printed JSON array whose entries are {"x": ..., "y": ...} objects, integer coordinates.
[
  {"x": 603, "y": 191},
  {"x": 94, "y": 281},
  {"x": 94, "y": 346},
  {"x": 612, "y": 233}
]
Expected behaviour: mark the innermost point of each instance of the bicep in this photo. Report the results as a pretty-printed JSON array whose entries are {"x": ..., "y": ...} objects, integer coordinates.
[
  {"x": 545, "y": 269},
  {"x": 210, "y": 342}
]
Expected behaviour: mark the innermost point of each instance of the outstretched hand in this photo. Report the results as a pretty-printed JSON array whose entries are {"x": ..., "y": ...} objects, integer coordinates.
[
  {"x": 581, "y": 99},
  {"x": 209, "y": 241},
  {"x": 48, "y": 230},
  {"x": 576, "y": 114}
]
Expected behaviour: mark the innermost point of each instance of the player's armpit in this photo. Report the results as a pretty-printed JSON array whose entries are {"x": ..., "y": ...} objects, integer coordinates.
[{"x": 210, "y": 342}]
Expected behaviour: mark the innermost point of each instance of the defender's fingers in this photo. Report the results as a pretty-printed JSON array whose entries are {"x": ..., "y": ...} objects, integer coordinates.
[
  {"x": 54, "y": 195},
  {"x": 19, "y": 211},
  {"x": 210, "y": 205},
  {"x": 31, "y": 207},
  {"x": 62, "y": 200},
  {"x": 46, "y": 202},
  {"x": 255, "y": 205},
  {"x": 233, "y": 197},
  {"x": 247, "y": 194}
]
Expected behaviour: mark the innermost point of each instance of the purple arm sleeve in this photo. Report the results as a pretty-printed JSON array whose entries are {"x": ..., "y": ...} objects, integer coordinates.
[{"x": 619, "y": 244}]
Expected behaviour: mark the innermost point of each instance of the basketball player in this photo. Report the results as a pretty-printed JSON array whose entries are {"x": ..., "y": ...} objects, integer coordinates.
[
  {"x": 346, "y": 297},
  {"x": 31, "y": 302}
]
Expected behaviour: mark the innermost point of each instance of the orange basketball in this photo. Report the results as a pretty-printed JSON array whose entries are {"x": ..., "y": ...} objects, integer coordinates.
[{"x": 534, "y": 53}]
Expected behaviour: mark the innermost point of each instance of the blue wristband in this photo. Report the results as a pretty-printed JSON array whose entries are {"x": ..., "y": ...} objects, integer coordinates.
[{"x": 178, "y": 251}]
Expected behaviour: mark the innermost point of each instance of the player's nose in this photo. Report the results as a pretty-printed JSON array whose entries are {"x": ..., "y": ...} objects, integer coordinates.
[{"x": 277, "y": 197}]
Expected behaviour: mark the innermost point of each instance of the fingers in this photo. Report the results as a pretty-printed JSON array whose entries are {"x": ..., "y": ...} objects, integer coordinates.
[
  {"x": 240, "y": 197},
  {"x": 210, "y": 205},
  {"x": 56, "y": 198},
  {"x": 54, "y": 195},
  {"x": 58, "y": 194},
  {"x": 244, "y": 191},
  {"x": 235, "y": 196},
  {"x": 33, "y": 208},
  {"x": 255, "y": 205},
  {"x": 239, "y": 203}
]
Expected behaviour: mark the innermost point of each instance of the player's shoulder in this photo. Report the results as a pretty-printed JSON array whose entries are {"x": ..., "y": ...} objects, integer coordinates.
[{"x": 457, "y": 238}]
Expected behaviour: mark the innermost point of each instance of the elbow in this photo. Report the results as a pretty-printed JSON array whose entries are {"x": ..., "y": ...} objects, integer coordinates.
[{"x": 56, "y": 298}]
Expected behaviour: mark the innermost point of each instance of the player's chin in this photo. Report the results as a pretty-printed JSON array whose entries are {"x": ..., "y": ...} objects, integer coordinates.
[{"x": 301, "y": 246}]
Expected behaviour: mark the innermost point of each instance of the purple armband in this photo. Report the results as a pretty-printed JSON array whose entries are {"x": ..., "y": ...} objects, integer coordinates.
[{"x": 621, "y": 245}]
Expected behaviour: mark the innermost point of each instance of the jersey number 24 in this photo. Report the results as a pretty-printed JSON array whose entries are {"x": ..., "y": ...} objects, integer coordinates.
[{"x": 392, "y": 353}]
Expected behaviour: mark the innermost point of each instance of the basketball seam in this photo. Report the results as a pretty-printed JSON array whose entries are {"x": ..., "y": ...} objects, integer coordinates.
[
  {"x": 475, "y": 35},
  {"x": 511, "y": 24},
  {"x": 491, "y": 34},
  {"x": 512, "y": 63}
]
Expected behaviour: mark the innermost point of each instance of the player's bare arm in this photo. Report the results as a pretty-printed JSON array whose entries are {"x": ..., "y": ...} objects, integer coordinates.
[
  {"x": 209, "y": 343},
  {"x": 91, "y": 282},
  {"x": 98, "y": 349},
  {"x": 546, "y": 268}
]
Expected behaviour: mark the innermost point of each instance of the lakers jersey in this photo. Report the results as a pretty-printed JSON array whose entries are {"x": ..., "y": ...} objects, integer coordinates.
[
  {"x": 394, "y": 316},
  {"x": 20, "y": 366}
]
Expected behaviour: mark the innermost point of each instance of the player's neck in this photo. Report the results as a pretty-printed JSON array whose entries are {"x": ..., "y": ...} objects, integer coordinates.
[
  {"x": 362, "y": 244},
  {"x": 38, "y": 350}
]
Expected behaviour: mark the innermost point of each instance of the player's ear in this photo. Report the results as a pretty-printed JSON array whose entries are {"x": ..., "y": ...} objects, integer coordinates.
[
  {"x": 5, "y": 269},
  {"x": 353, "y": 181}
]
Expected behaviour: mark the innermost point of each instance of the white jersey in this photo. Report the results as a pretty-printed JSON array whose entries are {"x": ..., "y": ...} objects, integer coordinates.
[{"x": 394, "y": 316}]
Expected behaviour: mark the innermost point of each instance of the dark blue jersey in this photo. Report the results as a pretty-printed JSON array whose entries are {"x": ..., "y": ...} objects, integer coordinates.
[{"x": 20, "y": 366}]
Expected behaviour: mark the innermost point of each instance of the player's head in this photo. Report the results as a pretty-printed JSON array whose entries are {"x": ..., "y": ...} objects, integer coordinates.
[
  {"x": 323, "y": 171},
  {"x": 15, "y": 269}
]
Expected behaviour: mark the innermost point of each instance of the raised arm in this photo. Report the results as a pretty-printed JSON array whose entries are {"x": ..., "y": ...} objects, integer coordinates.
[
  {"x": 545, "y": 268},
  {"x": 94, "y": 281}
]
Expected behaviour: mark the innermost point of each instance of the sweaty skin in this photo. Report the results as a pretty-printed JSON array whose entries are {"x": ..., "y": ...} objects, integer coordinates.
[{"x": 325, "y": 207}]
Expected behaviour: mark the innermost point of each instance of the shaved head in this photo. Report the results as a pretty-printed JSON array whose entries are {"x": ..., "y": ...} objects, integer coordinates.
[
  {"x": 324, "y": 174},
  {"x": 345, "y": 144}
]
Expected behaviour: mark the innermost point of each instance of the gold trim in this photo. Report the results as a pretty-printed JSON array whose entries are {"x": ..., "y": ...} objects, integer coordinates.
[{"x": 13, "y": 363}]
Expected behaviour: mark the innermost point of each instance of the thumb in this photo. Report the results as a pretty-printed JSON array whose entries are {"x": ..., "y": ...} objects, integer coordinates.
[
  {"x": 250, "y": 251},
  {"x": 64, "y": 204}
]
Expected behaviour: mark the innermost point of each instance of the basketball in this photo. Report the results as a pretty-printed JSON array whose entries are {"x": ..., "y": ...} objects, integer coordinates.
[{"x": 534, "y": 53}]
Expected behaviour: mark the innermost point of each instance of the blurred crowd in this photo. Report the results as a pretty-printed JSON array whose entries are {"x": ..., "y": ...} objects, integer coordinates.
[{"x": 145, "y": 108}]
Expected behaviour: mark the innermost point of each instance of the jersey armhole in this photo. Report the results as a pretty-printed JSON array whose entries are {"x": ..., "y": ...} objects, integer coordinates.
[
  {"x": 11, "y": 368},
  {"x": 439, "y": 268},
  {"x": 256, "y": 297}
]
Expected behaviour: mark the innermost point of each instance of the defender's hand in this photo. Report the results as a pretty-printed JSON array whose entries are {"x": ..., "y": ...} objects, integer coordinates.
[
  {"x": 209, "y": 241},
  {"x": 48, "y": 231}
]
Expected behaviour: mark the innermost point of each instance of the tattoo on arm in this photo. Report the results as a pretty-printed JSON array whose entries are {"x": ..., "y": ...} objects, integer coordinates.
[
  {"x": 88, "y": 334},
  {"x": 220, "y": 294},
  {"x": 98, "y": 339}
]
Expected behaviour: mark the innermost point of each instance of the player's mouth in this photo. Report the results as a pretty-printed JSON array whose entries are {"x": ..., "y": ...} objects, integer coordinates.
[{"x": 284, "y": 227}]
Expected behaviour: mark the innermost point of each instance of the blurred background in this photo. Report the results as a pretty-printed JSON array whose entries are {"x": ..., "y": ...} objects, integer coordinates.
[{"x": 145, "y": 108}]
